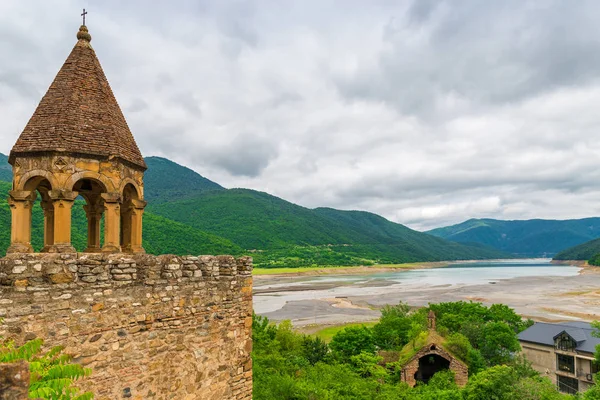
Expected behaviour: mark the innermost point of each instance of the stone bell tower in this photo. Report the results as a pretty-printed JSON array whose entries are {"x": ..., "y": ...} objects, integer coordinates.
[{"x": 77, "y": 143}]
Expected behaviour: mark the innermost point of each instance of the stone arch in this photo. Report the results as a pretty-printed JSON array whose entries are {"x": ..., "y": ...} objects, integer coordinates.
[
  {"x": 34, "y": 177},
  {"x": 30, "y": 184},
  {"x": 431, "y": 359},
  {"x": 129, "y": 181},
  {"x": 132, "y": 209},
  {"x": 429, "y": 365},
  {"x": 91, "y": 189},
  {"x": 78, "y": 176}
]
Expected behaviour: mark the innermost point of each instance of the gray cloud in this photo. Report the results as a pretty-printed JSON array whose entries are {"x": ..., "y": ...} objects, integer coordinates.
[
  {"x": 428, "y": 112},
  {"x": 246, "y": 155}
]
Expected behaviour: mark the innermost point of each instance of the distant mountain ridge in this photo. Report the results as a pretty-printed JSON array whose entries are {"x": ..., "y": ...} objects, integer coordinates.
[
  {"x": 188, "y": 213},
  {"x": 523, "y": 238}
]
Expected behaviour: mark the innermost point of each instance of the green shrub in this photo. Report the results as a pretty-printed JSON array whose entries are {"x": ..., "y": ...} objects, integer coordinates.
[{"x": 51, "y": 373}]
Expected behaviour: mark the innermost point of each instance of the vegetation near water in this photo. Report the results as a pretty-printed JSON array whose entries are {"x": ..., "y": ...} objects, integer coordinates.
[{"x": 362, "y": 362}]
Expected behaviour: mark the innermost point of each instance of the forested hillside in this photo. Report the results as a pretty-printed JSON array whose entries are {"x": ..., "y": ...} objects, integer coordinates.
[
  {"x": 258, "y": 221},
  {"x": 166, "y": 181},
  {"x": 189, "y": 214},
  {"x": 529, "y": 238},
  {"x": 363, "y": 362},
  {"x": 584, "y": 251}
]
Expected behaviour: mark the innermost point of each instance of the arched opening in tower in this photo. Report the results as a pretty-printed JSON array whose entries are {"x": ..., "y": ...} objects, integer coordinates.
[
  {"x": 429, "y": 365},
  {"x": 41, "y": 214},
  {"x": 130, "y": 220},
  {"x": 90, "y": 197}
]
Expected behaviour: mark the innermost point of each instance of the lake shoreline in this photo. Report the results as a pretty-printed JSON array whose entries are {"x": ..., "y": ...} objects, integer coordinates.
[
  {"x": 332, "y": 301},
  {"x": 356, "y": 270},
  {"x": 264, "y": 273}
]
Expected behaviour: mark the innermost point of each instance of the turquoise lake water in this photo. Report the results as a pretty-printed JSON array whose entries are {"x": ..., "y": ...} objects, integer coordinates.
[
  {"x": 460, "y": 274},
  {"x": 469, "y": 273}
]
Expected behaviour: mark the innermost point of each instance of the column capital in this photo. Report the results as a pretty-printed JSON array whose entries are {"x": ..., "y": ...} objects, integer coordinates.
[
  {"x": 139, "y": 204},
  {"x": 67, "y": 195},
  {"x": 22, "y": 195},
  {"x": 94, "y": 209},
  {"x": 111, "y": 197}
]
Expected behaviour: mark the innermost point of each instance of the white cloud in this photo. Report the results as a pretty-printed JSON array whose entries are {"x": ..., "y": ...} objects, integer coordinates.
[{"x": 427, "y": 112}]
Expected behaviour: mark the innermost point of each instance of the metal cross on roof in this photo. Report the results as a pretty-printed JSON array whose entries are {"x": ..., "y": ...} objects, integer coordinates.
[{"x": 83, "y": 15}]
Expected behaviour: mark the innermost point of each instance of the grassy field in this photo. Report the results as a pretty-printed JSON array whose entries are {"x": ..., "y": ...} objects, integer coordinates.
[
  {"x": 333, "y": 268},
  {"x": 327, "y": 333}
]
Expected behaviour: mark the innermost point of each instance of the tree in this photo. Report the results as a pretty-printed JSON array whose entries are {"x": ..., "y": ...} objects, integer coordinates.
[
  {"x": 459, "y": 345},
  {"x": 391, "y": 332},
  {"x": 352, "y": 341},
  {"x": 287, "y": 338},
  {"x": 596, "y": 333},
  {"x": 536, "y": 388},
  {"x": 498, "y": 343},
  {"x": 367, "y": 365},
  {"x": 314, "y": 349},
  {"x": 503, "y": 313},
  {"x": 262, "y": 329},
  {"x": 495, "y": 383}
]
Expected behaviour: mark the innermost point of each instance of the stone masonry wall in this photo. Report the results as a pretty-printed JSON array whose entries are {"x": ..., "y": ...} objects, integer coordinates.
[
  {"x": 150, "y": 327},
  {"x": 14, "y": 381}
]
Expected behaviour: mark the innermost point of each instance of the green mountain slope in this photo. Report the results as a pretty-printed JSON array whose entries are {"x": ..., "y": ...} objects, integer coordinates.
[
  {"x": 529, "y": 238},
  {"x": 259, "y": 221},
  {"x": 5, "y": 169},
  {"x": 165, "y": 180},
  {"x": 189, "y": 214},
  {"x": 584, "y": 251}
]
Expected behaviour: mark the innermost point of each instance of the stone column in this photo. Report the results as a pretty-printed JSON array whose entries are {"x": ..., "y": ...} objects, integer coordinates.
[
  {"x": 20, "y": 202},
  {"x": 112, "y": 222},
  {"x": 94, "y": 216},
  {"x": 48, "y": 209},
  {"x": 134, "y": 230},
  {"x": 62, "y": 200}
]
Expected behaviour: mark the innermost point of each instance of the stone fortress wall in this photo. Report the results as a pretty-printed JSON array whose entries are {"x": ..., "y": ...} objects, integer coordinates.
[{"x": 150, "y": 327}]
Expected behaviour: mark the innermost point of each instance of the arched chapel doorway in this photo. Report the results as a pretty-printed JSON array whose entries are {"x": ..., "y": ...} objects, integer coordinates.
[{"x": 430, "y": 365}]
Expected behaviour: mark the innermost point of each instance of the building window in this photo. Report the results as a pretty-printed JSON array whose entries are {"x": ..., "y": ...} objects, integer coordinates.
[
  {"x": 565, "y": 343},
  {"x": 567, "y": 385},
  {"x": 565, "y": 363}
]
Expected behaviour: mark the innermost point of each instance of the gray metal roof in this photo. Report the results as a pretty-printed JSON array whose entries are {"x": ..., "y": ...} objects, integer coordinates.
[
  {"x": 544, "y": 333},
  {"x": 577, "y": 334}
]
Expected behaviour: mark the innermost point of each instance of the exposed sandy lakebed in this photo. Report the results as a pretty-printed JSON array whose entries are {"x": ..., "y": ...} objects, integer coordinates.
[{"x": 556, "y": 294}]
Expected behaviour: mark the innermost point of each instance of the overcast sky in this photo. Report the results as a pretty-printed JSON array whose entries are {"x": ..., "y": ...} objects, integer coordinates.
[{"x": 426, "y": 112}]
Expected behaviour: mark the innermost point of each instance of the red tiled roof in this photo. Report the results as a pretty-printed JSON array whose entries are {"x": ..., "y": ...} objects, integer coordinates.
[{"x": 79, "y": 113}]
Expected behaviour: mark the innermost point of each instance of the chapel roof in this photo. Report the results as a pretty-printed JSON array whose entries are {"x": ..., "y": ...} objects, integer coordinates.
[{"x": 79, "y": 113}]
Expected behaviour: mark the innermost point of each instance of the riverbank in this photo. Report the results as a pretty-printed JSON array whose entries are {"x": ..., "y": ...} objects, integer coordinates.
[
  {"x": 263, "y": 273},
  {"x": 346, "y": 270},
  {"x": 315, "y": 302}
]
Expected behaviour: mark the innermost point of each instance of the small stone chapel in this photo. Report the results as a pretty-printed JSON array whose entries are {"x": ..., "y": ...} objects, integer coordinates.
[
  {"x": 77, "y": 143},
  {"x": 431, "y": 358}
]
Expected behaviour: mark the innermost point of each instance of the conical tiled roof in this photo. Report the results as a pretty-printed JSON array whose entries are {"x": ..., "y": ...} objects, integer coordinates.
[{"x": 79, "y": 113}]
